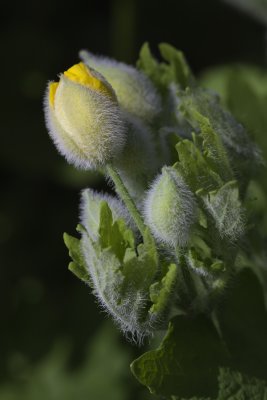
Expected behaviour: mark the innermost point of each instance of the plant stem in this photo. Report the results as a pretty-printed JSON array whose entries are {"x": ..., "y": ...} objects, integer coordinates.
[
  {"x": 125, "y": 197},
  {"x": 188, "y": 280}
]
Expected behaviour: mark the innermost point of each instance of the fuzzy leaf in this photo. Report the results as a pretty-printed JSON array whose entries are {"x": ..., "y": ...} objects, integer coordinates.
[
  {"x": 201, "y": 119},
  {"x": 186, "y": 363},
  {"x": 163, "y": 74},
  {"x": 77, "y": 266},
  {"x": 195, "y": 168},
  {"x": 122, "y": 274},
  {"x": 161, "y": 292},
  {"x": 225, "y": 208},
  {"x": 140, "y": 267},
  {"x": 115, "y": 235},
  {"x": 235, "y": 386},
  {"x": 199, "y": 102},
  {"x": 201, "y": 259},
  {"x": 178, "y": 69},
  {"x": 91, "y": 211},
  {"x": 150, "y": 66},
  {"x": 213, "y": 148}
]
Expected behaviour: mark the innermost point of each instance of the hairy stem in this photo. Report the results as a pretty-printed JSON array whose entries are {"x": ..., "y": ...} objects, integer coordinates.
[
  {"x": 188, "y": 280},
  {"x": 125, "y": 197}
]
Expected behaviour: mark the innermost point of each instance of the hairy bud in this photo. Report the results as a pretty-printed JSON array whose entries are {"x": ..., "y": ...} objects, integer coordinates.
[
  {"x": 83, "y": 117},
  {"x": 170, "y": 209},
  {"x": 138, "y": 162},
  {"x": 135, "y": 92}
]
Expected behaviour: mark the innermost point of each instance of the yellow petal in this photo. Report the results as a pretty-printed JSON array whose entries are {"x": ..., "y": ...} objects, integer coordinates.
[
  {"x": 52, "y": 92},
  {"x": 79, "y": 73}
]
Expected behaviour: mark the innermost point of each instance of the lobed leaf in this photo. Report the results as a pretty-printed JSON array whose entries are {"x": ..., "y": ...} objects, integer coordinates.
[
  {"x": 225, "y": 207},
  {"x": 187, "y": 362},
  {"x": 77, "y": 266},
  {"x": 162, "y": 74}
]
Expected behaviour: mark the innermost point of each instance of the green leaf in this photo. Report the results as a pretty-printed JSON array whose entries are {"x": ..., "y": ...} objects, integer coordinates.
[
  {"x": 78, "y": 266},
  {"x": 194, "y": 167},
  {"x": 243, "y": 89},
  {"x": 163, "y": 74},
  {"x": 90, "y": 205},
  {"x": 105, "y": 224},
  {"x": 122, "y": 274},
  {"x": 150, "y": 66},
  {"x": 115, "y": 235},
  {"x": 213, "y": 148},
  {"x": 225, "y": 207},
  {"x": 235, "y": 386},
  {"x": 179, "y": 70},
  {"x": 140, "y": 266},
  {"x": 161, "y": 293},
  {"x": 201, "y": 259},
  {"x": 201, "y": 117},
  {"x": 203, "y": 111},
  {"x": 186, "y": 363}
]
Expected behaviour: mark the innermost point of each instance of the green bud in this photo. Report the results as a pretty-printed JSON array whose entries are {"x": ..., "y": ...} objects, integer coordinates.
[
  {"x": 135, "y": 92},
  {"x": 138, "y": 163},
  {"x": 170, "y": 208}
]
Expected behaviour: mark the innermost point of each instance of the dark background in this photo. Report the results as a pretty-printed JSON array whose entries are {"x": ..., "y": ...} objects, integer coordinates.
[{"x": 41, "y": 302}]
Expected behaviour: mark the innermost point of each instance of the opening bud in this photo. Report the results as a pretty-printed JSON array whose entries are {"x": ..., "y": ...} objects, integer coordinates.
[{"x": 83, "y": 117}]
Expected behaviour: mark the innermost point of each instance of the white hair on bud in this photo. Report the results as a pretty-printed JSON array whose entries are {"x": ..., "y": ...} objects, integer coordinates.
[
  {"x": 88, "y": 139},
  {"x": 90, "y": 211},
  {"x": 138, "y": 162},
  {"x": 134, "y": 90},
  {"x": 170, "y": 208}
]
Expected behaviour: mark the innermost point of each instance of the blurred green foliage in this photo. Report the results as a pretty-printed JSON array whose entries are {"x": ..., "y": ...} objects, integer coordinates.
[{"x": 102, "y": 375}]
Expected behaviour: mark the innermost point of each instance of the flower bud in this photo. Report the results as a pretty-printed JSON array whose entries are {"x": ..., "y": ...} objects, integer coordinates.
[
  {"x": 135, "y": 92},
  {"x": 138, "y": 162},
  {"x": 83, "y": 117},
  {"x": 170, "y": 208}
]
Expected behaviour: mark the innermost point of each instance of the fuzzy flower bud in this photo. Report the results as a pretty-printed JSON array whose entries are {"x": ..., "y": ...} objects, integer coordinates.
[
  {"x": 135, "y": 92},
  {"x": 83, "y": 117},
  {"x": 138, "y": 162},
  {"x": 170, "y": 208}
]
